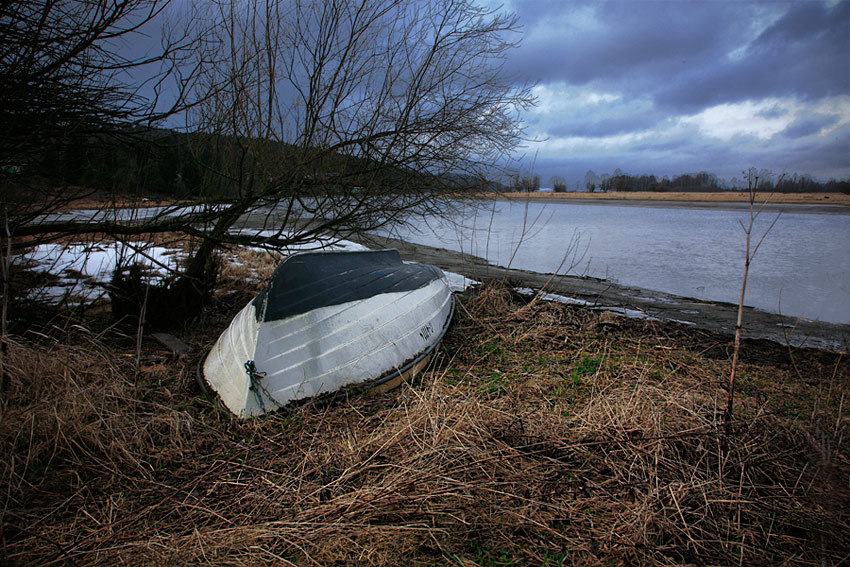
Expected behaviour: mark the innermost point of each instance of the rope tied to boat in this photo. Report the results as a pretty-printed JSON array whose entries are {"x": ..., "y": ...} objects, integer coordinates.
[{"x": 254, "y": 377}]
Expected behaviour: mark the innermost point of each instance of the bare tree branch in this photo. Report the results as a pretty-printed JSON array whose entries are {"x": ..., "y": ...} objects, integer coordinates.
[
  {"x": 317, "y": 119},
  {"x": 354, "y": 113}
]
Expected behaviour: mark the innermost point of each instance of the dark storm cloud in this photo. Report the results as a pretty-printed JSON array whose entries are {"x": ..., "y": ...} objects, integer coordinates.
[
  {"x": 669, "y": 87},
  {"x": 621, "y": 43},
  {"x": 821, "y": 156},
  {"x": 688, "y": 55},
  {"x": 824, "y": 158},
  {"x": 806, "y": 54},
  {"x": 808, "y": 126},
  {"x": 590, "y": 125},
  {"x": 593, "y": 118}
]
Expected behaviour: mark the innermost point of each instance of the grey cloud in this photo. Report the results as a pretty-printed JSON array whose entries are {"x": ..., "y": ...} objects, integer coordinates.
[
  {"x": 600, "y": 125},
  {"x": 808, "y": 126},
  {"x": 639, "y": 42},
  {"x": 830, "y": 157},
  {"x": 773, "y": 112},
  {"x": 824, "y": 158},
  {"x": 672, "y": 58},
  {"x": 680, "y": 51},
  {"x": 806, "y": 53},
  {"x": 609, "y": 119}
]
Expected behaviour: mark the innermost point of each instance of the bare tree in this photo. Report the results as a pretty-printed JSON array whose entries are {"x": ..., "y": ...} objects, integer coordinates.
[
  {"x": 319, "y": 119},
  {"x": 523, "y": 182},
  {"x": 755, "y": 181},
  {"x": 72, "y": 76},
  {"x": 69, "y": 74},
  {"x": 343, "y": 116}
]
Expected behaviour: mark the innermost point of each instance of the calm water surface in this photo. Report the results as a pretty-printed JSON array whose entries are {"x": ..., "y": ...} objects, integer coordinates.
[{"x": 802, "y": 268}]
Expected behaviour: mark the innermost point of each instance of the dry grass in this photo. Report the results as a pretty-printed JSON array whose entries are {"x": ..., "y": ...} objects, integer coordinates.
[
  {"x": 542, "y": 435},
  {"x": 248, "y": 269}
]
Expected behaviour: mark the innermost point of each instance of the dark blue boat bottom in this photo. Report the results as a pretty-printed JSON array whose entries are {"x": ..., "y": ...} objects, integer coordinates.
[{"x": 307, "y": 281}]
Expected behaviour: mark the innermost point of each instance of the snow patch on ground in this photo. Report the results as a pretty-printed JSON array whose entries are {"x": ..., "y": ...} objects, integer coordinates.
[
  {"x": 630, "y": 313},
  {"x": 622, "y": 311},
  {"x": 82, "y": 269},
  {"x": 553, "y": 297},
  {"x": 458, "y": 282},
  {"x": 346, "y": 245}
]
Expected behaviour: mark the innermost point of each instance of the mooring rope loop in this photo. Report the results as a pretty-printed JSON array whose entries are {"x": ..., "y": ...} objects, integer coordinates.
[{"x": 254, "y": 376}]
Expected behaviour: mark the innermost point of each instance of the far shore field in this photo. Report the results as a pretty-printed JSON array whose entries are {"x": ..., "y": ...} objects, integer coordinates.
[
  {"x": 685, "y": 197},
  {"x": 641, "y": 197}
]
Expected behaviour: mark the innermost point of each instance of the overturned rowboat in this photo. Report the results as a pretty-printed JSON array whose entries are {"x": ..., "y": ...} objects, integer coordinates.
[{"x": 325, "y": 321}]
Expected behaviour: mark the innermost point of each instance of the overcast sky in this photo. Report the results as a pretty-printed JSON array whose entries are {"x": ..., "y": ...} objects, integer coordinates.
[{"x": 685, "y": 86}]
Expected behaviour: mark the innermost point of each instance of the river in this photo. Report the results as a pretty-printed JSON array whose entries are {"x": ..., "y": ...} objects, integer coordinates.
[{"x": 802, "y": 268}]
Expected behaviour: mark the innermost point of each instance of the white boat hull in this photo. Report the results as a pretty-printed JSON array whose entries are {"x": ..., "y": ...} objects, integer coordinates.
[{"x": 326, "y": 348}]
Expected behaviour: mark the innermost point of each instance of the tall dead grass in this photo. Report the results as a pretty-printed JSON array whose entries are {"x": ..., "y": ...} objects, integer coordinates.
[
  {"x": 75, "y": 428},
  {"x": 541, "y": 435}
]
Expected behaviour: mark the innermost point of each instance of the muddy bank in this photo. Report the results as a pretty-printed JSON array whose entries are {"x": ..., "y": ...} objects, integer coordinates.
[{"x": 633, "y": 301}]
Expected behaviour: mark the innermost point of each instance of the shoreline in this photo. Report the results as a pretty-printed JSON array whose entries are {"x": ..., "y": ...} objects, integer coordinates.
[
  {"x": 833, "y": 201},
  {"x": 770, "y": 207},
  {"x": 712, "y": 316}
]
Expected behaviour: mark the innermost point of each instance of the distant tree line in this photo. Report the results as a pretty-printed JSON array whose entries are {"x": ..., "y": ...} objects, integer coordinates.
[
  {"x": 166, "y": 164},
  {"x": 523, "y": 183},
  {"x": 807, "y": 184},
  {"x": 519, "y": 182},
  {"x": 709, "y": 182}
]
